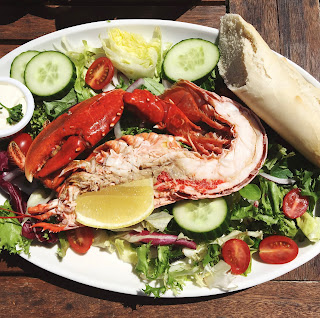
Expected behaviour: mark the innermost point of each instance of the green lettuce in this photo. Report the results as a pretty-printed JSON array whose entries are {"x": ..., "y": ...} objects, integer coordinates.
[
  {"x": 159, "y": 268},
  {"x": 56, "y": 107},
  {"x": 310, "y": 226},
  {"x": 266, "y": 214},
  {"x": 63, "y": 245},
  {"x": 153, "y": 86},
  {"x": 131, "y": 54},
  {"x": 11, "y": 239},
  {"x": 82, "y": 58}
]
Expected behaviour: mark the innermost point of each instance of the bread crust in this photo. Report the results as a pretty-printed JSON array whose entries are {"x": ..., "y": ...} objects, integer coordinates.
[{"x": 270, "y": 86}]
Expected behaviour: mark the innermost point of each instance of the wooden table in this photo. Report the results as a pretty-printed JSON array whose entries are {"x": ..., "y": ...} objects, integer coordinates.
[{"x": 291, "y": 27}]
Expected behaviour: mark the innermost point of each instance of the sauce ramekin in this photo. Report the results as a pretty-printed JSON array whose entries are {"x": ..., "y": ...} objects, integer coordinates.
[{"x": 14, "y": 129}]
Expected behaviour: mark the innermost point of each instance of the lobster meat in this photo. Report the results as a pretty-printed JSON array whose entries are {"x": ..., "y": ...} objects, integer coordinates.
[{"x": 229, "y": 146}]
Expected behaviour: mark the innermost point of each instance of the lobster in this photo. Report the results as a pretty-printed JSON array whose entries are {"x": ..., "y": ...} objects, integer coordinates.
[
  {"x": 179, "y": 111},
  {"x": 227, "y": 141}
]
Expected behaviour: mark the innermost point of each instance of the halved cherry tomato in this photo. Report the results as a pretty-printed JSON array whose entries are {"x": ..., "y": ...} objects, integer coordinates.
[
  {"x": 99, "y": 73},
  {"x": 80, "y": 239},
  {"x": 236, "y": 253},
  {"x": 278, "y": 249},
  {"x": 24, "y": 141},
  {"x": 294, "y": 204}
]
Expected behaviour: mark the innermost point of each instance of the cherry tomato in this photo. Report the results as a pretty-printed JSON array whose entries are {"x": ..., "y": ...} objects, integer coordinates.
[
  {"x": 278, "y": 249},
  {"x": 99, "y": 73},
  {"x": 24, "y": 141},
  {"x": 236, "y": 253},
  {"x": 80, "y": 239},
  {"x": 294, "y": 204}
]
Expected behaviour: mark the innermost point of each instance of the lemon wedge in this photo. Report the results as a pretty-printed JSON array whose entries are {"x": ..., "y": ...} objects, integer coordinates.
[{"x": 116, "y": 206}]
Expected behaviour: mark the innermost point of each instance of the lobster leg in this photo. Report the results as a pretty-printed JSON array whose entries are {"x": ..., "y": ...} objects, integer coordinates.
[{"x": 55, "y": 228}]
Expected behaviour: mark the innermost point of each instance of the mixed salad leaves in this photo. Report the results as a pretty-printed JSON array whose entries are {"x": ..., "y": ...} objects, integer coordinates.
[{"x": 275, "y": 209}]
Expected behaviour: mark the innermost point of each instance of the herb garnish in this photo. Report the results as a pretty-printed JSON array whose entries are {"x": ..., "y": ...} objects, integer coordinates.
[{"x": 15, "y": 113}]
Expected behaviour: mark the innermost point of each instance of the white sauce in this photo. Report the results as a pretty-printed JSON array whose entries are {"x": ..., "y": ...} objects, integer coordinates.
[{"x": 10, "y": 96}]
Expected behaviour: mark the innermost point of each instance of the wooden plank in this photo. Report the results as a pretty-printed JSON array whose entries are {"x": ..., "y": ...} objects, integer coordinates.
[
  {"x": 115, "y": 2},
  {"x": 6, "y": 48},
  {"x": 309, "y": 271},
  {"x": 286, "y": 25},
  {"x": 24, "y": 22},
  {"x": 262, "y": 15},
  {"x": 64, "y": 298},
  {"x": 207, "y": 16},
  {"x": 299, "y": 25}
]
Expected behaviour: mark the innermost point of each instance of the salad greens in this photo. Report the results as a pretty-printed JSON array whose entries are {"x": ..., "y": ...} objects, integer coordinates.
[
  {"x": 255, "y": 210},
  {"x": 132, "y": 55},
  {"x": 10, "y": 233}
]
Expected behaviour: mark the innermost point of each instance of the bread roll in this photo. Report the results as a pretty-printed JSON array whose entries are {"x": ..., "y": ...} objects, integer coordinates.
[{"x": 270, "y": 86}]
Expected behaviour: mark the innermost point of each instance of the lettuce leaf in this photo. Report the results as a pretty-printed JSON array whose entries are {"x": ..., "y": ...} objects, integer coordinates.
[
  {"x": 10, "y": 234},
  {"x": 63, "y": 245},
  {"x": 82, "y": 58},
  {"x": 55, "y": 108},
  {"x": 131, "y": 54},
  {"x": 310, "y": 226},
  {"x": 153, "y": 86},
  {"x": 158, "y": 267},
  {"x": 266, "y": 215}
]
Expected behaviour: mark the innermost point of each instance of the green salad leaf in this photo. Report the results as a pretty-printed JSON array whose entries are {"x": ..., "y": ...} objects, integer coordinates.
[
  {"x": 251, "y": 192},
  {"x": 132, "y": 54},
  {"x": 39, "y": 118},
  {"x": 153, "y": 86},
  {"x": 56, "y": 107},
  {"x": 82, "y": 58},
  {"x": 63, "y": 245},
  {"x": 10, "y": 233},
  {"x": 310, "y": 226}
]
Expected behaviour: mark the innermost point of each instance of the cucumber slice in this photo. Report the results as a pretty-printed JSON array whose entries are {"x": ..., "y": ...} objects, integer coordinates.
[
  {"x": 202, "y": 219},
  {"x": 18, "y": 65},
  {"x": 191, "y": 59},
  {"x": 50, "y": 74}
]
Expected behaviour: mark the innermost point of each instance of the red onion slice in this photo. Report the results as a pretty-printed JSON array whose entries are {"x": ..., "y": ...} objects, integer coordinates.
[
  {"x": 135, "y": 85},
  {"x": 9, "y": 176},
  {"x": 117, "y": 130},
  {"x": 158, "y": 239},
  {"x": 108, "y": 87},
  {"x": 166, "y": 84},
  {"x": 276, "y": 179}
]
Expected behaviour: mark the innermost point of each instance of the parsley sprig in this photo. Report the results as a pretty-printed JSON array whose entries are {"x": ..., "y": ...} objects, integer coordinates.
[{"x": 15, "y": 113}]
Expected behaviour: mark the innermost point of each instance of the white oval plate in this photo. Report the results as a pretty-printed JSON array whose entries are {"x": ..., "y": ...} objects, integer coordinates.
[{"x": 98, "y": 268}]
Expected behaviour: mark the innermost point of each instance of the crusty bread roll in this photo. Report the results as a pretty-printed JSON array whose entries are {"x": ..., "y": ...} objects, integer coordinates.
[{"x": 270, "y": 86}]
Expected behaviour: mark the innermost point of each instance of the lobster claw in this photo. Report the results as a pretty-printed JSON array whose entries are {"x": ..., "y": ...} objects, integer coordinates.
[
  {"x": 185, "y": 112},
  {"x": 165, "y": 114},
  {"x": 84, "y": 125}
]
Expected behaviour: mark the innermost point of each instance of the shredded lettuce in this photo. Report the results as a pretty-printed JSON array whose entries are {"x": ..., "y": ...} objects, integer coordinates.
[
  {"x": 82, "y": 58},
  {"x": 158, "y": 220},
  {"x": 131, "y": 54}
]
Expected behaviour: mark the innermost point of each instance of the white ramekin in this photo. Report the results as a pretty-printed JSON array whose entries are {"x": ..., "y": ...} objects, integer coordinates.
[{"x": 6, "y": 133}]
